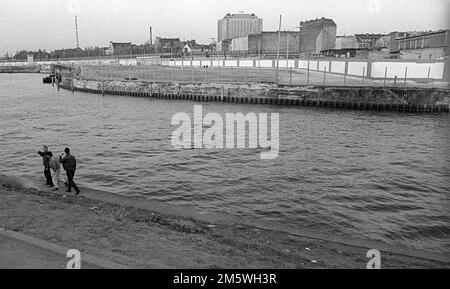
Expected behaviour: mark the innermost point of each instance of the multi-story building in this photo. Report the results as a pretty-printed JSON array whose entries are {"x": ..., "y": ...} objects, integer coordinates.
[
  {"x": 168, "y": 45},
  {"x": 238, "y": 25},
  {"x": 119, "y": 48},
  {"x": 367, "y": 40},
  {"x": 267, "y": 43},
  {"x": 362, "y": 41},
  {"x": 346, "y": 42},
  {"x": 430, "y": 45},
  {"x": 316, "y": 36}
]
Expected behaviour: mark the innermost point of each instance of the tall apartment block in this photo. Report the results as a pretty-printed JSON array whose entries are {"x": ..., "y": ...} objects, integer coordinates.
[{"x": 238, "y": 25}]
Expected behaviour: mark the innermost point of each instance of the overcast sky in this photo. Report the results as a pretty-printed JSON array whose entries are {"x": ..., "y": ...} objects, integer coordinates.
[{"x": 49, "y": 24}]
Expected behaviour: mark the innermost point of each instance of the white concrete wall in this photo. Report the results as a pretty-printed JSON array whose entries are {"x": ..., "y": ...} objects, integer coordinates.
[
  {"x": 127, "y": 61},
  {"x": 313, "y": 64},
  {"x": 217, "y": 63},
  {"x": 324, "y": 65},
  {"x": 338, "y": 67},
  {"x": 231, "y": 63},
  {"x": 415, "y": 70},
  {"x": 265, "y": 63},
  {"x": 246, "y": 63},
  {"x": 287, "y": 63},
  {"x": 303, "y": 64},
  {"x": 357, "y": 68},
  {"x": 206, "y": 62}
]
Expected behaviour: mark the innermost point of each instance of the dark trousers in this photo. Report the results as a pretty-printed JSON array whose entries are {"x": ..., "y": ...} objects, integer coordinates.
[
  {"x": 70, "y": 183},
  {"x": 48, "y": 176}
]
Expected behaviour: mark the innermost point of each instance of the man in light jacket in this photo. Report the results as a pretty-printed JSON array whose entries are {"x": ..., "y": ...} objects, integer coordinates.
[{"x": 56, "y": 170}]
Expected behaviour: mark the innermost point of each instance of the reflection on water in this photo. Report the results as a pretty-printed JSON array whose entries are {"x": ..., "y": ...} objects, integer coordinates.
[{"x": 379, "y": 175}]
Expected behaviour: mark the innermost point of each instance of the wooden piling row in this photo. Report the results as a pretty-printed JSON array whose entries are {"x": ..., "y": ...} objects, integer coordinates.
[{"x": 303, "y": 100}]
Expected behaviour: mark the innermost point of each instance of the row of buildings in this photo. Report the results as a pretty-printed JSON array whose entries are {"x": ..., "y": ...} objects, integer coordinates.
[
  {"x": 172, "y": 46},
  {"x": 244, "y": 33}
]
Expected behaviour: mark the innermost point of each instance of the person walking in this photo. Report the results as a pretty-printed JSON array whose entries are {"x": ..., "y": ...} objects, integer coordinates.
[
  {"x": 56, "y": 170},
  {"x": 46, "y": 155},
  {"x": 70, "y": 165}
]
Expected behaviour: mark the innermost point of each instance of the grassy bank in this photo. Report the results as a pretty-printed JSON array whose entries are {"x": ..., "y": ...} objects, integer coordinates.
[{"x": 141, "y": 238}]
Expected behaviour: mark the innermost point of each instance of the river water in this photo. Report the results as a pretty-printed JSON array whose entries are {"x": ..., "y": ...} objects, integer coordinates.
[{"x": 376, "y": 175}]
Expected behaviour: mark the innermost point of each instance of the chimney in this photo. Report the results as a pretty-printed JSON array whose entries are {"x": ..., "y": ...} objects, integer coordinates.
[{"x": 151, "y": 37}]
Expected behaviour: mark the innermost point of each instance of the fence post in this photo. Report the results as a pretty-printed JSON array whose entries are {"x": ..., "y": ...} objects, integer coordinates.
[
  {"x": 307, "y": 74},
  {"x": 192, "y": 76},
  {"x": 363, "y": 74},
  {"x": 182, "y": 71},
  {"x": 206, "y": 73},
  {"x": 290, "y": 75},
  {"x": 218, "y": 69},
  {"x": 324, "y": 74},
  {"x": 231, "y": 73},
  {"x": 246, "y": 74},
  {"x": 428, "y": 76},
  {"x": 345, "y": 72},
  {"x": 385, "y": 76},
  {"x": 259, "y": 71},
  {"x": 406, "y": 75},
  {"x": 173, "y": 71}
]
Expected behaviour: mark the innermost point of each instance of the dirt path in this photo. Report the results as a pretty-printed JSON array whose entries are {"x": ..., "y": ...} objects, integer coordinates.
[{"x": 140, "y": 238}]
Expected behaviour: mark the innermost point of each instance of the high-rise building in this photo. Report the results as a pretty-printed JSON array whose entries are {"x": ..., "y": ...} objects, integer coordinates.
[{"x": 238, "y": 25}]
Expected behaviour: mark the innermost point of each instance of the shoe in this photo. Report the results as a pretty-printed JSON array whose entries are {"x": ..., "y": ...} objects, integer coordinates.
[
  {"x": 78, "y": 192},
  {"x": 68, "y": 191},
  {"x": 55, "y": 189}
]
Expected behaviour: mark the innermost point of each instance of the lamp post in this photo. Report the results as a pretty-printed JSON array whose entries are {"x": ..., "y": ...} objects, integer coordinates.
[
  {"x": 287, "y": 45},
  {"x": 278, "y": 51}
]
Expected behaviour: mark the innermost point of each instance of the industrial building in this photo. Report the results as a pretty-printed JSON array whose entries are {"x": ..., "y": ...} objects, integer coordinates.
[
  {"x": 119, "y": 48},
  {"x": 430, "y": 45},
  {"x": 316, "y": 36},
  {"x": 267, "y": 43}
]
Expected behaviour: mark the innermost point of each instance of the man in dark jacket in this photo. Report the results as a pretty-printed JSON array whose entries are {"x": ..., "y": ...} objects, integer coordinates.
[
  {"x": 70, "y": 165},
  {"x": 46, "y": 156}
]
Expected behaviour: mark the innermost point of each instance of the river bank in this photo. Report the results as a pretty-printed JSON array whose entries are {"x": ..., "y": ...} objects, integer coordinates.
[
  {"x": 139, "y": 237},
  {"x": 401, "y": 99}
]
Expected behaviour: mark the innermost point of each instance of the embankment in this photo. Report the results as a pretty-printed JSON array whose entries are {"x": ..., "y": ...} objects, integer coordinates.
[
  {"x": 20, "y": 69},
  {"x": 141, "y": 233},
  {"x": 402, "y": 99}
]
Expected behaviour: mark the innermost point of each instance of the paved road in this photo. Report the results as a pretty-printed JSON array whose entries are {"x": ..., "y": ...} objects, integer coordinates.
[{"x": 18, "y": 255}]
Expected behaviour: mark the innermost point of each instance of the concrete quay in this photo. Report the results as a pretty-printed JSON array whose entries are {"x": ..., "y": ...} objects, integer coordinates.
[{"x": 398, "y": 99}]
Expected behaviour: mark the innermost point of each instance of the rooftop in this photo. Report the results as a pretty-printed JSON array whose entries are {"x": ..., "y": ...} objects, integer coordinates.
[
  {"x": 318, "y": 20},
  {"x": 424, "y": 34},
  {"x": 241, "y": 15}
]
